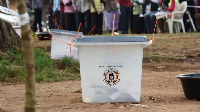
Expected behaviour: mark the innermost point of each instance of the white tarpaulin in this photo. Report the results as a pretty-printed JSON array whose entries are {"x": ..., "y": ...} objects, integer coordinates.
[{"x": 9, "y": 15}]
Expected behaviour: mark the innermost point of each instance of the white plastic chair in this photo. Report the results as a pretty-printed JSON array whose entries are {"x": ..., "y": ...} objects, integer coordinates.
[
  {"x": 190, "y": 20},
  {"x": 173, "y": 20}
]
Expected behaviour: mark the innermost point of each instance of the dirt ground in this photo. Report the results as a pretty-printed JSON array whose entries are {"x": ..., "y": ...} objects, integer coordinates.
[{"x": 161, "y": 91}]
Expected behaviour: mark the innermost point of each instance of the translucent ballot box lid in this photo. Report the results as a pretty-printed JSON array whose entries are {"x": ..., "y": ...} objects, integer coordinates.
[
  {"x": 110, "y": 40},
  {"x": 66, "y": 32}
]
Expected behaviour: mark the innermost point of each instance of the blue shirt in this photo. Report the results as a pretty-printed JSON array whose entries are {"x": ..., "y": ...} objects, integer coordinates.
[{"x": 56, "y": 5}]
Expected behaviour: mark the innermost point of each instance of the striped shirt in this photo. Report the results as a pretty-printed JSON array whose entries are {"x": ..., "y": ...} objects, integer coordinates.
[{"x": 98, "y": 6}]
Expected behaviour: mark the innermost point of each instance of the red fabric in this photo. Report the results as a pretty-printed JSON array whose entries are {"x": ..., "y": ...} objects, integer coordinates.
[
  {"x": 171, "y": 8},
  {"x": 126, "y": 3}
]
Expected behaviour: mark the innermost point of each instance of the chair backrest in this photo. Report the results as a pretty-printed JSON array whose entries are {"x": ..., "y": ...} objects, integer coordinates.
[{"x": 183, "y": 6}]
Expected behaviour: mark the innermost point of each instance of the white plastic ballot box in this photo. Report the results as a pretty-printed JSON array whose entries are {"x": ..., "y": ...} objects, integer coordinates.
[
  {"x": 111, "y": 67},
  {"x": 59, "y": 44}
]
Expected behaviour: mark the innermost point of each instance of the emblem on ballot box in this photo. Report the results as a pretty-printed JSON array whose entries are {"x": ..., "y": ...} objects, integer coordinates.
[{"x": 111, "y": 76}]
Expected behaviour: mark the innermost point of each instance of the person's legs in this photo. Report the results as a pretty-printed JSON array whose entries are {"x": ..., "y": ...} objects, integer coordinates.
[
  {"x": 58, "y": 18},
  {"x": 88, "y": 21},
  {"x": 70, "y": 22},
  {"x": 78, "y": 21},
  {"x": 147, "y": 21},
  {"x": 137, "y": 23},
  {"x": 62, "y": 20},
  {"x": 40, "y": 19},
  {"x": 135, "y": 27},
  {"x": 50, "y": 12},
  {"x": 132, "y": 20},
  {"x": 128, "y": 14},
  {"x": 35, "y": 20},
  {"x": 73, "y": 23},
  {"x": 119, "y": 24},
  {"x": 100, "y": 23},
  {"x": 123, "y": 19},
  {"x": 141, "y": 25},
  {"x": 67, "y": 21},
  {"x": 116, "y": 20},
  {"x": 108, "y": 16},
  {"x": 94, "y": 18},
  {"x": 82, "y": 20},
  {"x": 161, "y": 25},
  {"x": 116, "y": 27}
]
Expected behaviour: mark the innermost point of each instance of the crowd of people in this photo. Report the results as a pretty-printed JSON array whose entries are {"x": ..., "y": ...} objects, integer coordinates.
[{"x": 138, "y": 15}]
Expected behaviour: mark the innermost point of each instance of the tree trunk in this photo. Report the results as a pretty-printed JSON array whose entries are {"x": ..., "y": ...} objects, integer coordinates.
[
  {"x": 29, "y": 64},
  {"x": 8, "y": 37}
]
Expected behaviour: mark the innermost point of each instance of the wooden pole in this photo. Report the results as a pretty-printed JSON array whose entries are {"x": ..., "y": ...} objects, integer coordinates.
[{"x": 28, "y": 55}]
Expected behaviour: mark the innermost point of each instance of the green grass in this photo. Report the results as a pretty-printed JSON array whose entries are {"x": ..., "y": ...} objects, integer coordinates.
[
  {"x": 47, "y": 70},
  {"x": 68, "y": 67},
  {"x": 44, "y": 69},
  {"x": 11, "y": 73},
  {"x": 15, "y": 57}
]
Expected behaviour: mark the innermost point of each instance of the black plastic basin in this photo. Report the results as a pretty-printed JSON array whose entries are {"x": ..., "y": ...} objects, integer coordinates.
[
  {"x": 44, "y": 35},
  {"x": 191, "y": 85}
]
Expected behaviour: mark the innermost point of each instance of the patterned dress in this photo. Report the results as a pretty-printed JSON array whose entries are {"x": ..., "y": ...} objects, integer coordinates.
[{"x": 111, "y": 8}]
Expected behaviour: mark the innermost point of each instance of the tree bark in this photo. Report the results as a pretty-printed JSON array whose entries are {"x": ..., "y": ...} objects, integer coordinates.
[
  {"x": 8, "y": 37},
  {"x": 29, "y": 64}
]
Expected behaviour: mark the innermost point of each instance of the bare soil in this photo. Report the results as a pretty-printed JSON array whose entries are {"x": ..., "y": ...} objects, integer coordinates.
[{"x": 161, "y": 90}]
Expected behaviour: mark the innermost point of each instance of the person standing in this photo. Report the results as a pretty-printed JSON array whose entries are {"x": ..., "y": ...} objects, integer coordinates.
[
  {"x": 69, "y": 15},
  {"x": 97, "y": 16},
  {"x": 77, "y": 8},
  {"x": 111, "y": 8},
  {"x": 85, "y": 16},
  {"x": 125, "y": 9},
  {"x": 62, "y": 15},
  {"x": 37, "y": 5},
  {"x": 50, "y": 12},
  {"x": 137, "y": 10}
]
